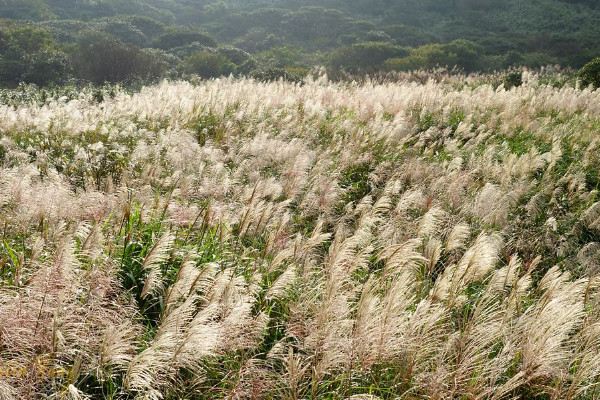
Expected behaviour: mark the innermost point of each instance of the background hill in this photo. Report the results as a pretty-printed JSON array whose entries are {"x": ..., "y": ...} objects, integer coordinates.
[{"x": 286, "y": 38}]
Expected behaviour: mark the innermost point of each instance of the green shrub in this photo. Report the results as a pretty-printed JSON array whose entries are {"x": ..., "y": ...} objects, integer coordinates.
[
  {"x": 208, "y": 64},
  {"x": 460, "y": 53},
  {"x": 274, "y": 74},
  {"x": 366, "y": 57},
  {"x": 101, "y": 58},
  {"x": 590, "y": 73},
  {"x": 513, "y": 79},
  {"x": 180, "y": 37}
]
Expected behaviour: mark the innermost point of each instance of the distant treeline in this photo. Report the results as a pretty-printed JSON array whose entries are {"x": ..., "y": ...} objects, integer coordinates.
[{"x": 60, "y": 41}]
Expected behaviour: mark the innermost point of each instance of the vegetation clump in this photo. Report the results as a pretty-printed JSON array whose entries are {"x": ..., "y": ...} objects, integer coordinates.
[{"x": 590, "y": 73}]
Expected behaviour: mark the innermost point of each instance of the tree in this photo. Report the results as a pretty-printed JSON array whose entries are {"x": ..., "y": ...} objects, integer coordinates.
[
  {"x": 25, "y": 9},
  {"x": 365, "y": 57},
  {"x": 208, "y": 64},
  {"x": 28, "y": 40},
  {"x": 179, "y": 37},
  {"x": 101, "y": 58},
  {"x": 46, "y": 67},
  {"x": 125, "y": 32},
  {"x": 311, "y": 23},
  {"x": 280, "y": 57},
  {"x": 11, "y": 71},
  {"x": 590, "y": 73},
  {"x": 30, "y": 55},
  {"x": 148, "y": 26},
  {"x": 459, "y": 53}
]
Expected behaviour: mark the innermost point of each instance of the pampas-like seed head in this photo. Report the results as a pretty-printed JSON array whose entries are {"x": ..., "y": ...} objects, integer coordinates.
[{"x": 158, "y": 254}]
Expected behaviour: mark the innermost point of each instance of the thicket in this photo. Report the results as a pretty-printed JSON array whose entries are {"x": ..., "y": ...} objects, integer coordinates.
[{"x": 590, "y": 73}]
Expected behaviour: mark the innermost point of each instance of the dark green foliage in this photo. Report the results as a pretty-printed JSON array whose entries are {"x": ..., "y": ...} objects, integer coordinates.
[
  {"x": 181, "y": 37},
  {"x": 125, "y": 32},
  {"x": 455, "y": 118},
  {"x": 12, "y": 71},
  {"x": 148, "y": 26},
  {"x": 235, "y": 55},
  {"x": 523, "y": 142},
  {"x": 590, "y": 73},
  {"x": 30, "y": 55},
  {"x": 280, "y": 57},
  {"x": 208, "y": 126},
  {"x": 286, "y": 38},
  {"x": 25, "y": 9},
  {"x": 46, "y": 67},
  {"x": 139, "y": 239},
  {"x": 407, "y": 35},
  {"x": 513, "y": 79},
  {"x": 11, "y": 261},
  {"x": 273, "y": 74},
  {"x": 208, "y": 64},
  {"x": 101, "y": 58},
  {"x": 310, "y": 23},
  {"x": 356, "y": 182},
  {"x": 27, "y": 40},
  {"x": 365, "y": 56},
  {"x": 461, "y": 53}
]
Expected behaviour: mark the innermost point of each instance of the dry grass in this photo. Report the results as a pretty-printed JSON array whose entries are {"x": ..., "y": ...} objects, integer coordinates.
[{"x": 248, "y": 240}]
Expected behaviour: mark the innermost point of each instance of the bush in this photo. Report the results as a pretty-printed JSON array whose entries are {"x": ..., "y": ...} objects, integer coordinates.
[
  {"x": 590, "y": 73},
  {"x": 273, "y": 74},
  {"x": 513, "y": 79},
  {"x": 365, "y": 57},
  {"x": 25, "y": 9},
  {"x": 126, "y": 33},
  {"x": 101, "y": 58},
  {"x": 46, "y": 67},
  {"x": 148, "y": 26},
  {"x": 208, "y": 64},
  {"x": 178, "y": 38},
  {"x": 30, "y": 55},
  {"x": 460, "y": 53}
]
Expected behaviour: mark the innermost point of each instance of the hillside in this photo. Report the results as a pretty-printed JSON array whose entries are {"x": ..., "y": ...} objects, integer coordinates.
[
  {"x": 270, "y": 39},
  {"x": 238, "y": 239}
]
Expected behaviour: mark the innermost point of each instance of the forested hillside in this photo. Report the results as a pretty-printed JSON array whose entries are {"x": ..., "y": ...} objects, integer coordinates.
[{"x": 286, "y": 38}]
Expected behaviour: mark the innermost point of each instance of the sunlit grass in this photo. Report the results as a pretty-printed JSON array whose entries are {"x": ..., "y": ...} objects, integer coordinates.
[{"x": 237, "y": 239}]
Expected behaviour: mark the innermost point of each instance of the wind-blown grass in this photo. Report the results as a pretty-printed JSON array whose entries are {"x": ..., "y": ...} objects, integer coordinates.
[{"x": 237, "y": 239}]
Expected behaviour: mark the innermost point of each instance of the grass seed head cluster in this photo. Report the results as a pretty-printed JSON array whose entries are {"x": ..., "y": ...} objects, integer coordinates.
[{"x": 244, "y": 240}]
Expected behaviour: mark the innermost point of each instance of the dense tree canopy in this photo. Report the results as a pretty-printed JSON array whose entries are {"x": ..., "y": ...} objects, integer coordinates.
[
  {"x": 30, "y": 55},
  {"x": 103, "y": 58},
  {"x": 291, "y": 36}
]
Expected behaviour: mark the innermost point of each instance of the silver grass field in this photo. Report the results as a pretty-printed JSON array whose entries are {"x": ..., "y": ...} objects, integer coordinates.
[{"x": 433, "y": 238}]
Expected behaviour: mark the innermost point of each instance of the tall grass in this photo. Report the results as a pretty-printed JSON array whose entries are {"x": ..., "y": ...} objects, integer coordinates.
[{"x": 237, "y": 239}]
